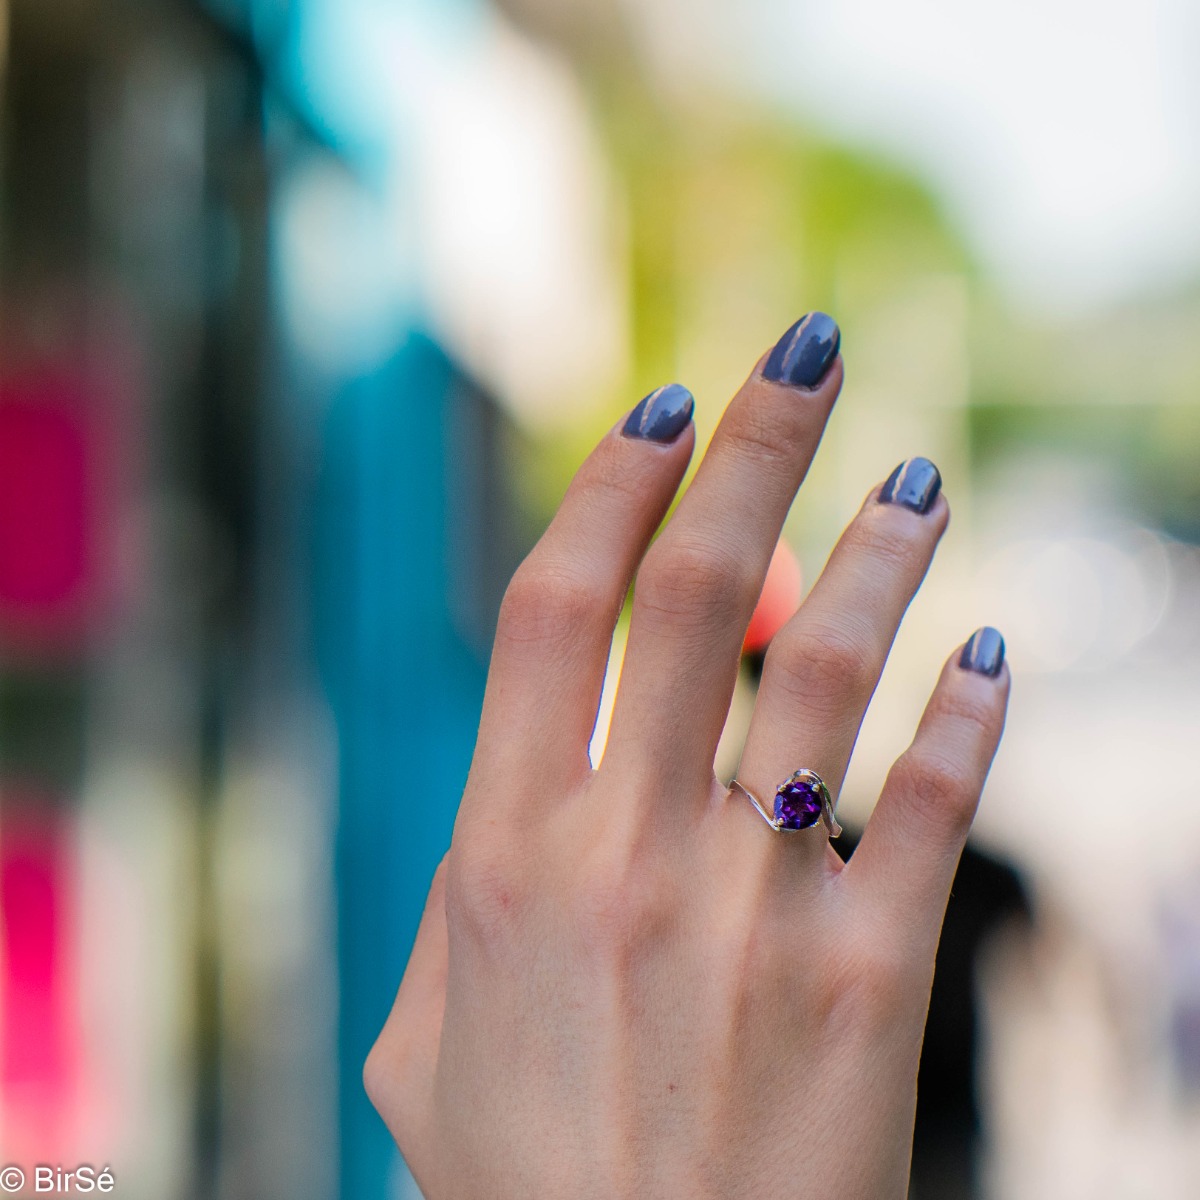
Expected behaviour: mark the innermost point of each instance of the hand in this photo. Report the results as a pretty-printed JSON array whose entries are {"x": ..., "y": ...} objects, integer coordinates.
[{"x": 625, "y": 983}]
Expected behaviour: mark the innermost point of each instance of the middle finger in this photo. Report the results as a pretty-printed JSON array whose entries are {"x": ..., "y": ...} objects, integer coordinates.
[{"x": 698, "y": 584}]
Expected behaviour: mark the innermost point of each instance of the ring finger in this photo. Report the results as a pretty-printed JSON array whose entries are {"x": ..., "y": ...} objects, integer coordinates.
[{"x": 823, "y": 666}]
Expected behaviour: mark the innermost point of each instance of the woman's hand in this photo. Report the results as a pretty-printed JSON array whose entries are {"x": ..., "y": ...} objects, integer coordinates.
[{"x": 625, "y": 983}]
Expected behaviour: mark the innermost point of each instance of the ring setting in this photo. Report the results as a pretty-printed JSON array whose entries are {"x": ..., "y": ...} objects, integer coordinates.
[{"x": 801, "y": 801}]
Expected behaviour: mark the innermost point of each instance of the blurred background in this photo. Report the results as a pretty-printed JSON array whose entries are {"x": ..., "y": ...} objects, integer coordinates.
[{"x": 308, "y": 311}]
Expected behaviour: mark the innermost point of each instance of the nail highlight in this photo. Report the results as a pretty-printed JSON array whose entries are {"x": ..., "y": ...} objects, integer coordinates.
[
  {"x": 915, "y": 484},
  {"x": 984, "y": 653},
  {"x": 805, "y": 353},
  {"x": 661, "y": 416}
]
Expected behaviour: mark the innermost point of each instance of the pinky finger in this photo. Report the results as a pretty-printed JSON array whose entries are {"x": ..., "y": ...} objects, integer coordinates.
[{"x": 910, "y": 849}]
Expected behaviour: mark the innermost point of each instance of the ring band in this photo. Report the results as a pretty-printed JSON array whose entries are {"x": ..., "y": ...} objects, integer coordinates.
[{"x": 801, "y": 801}]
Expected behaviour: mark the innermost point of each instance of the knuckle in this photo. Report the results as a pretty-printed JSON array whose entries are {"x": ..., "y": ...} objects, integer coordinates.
[
  {"x": 973, "y": 714},
  {"x": 763, "y": 434},
  {"x": 604, "y": 917},
  {"x": 889, "y": 544},
  {"x": 616, "y": 909},
  {"x": 941, "y": 788},
  {"x": 824, "y": 662},
  {"x": 688, "y": 579},
  {"x": 607, "y": 479},
  {"x": 485, "y": 894},
  {"x": 546, "y": 605}
]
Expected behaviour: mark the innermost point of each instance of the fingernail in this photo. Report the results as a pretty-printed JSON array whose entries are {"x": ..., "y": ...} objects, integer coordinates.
[
  {"x": 984, "y": 653},
  {"x": 803, "y": 355},
  {"x": 661, "y": 416},
  {"x": 915, "y": 484}
]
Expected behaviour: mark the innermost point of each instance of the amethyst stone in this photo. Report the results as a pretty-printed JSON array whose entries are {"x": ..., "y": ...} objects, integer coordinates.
[{"x": 798, "y": 802}]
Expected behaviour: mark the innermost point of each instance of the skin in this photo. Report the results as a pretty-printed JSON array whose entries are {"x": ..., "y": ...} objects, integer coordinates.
[{"x": 624, "y": 984}]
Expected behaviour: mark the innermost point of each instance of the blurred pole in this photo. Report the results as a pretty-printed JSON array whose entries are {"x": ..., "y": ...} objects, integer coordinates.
[{"x": 415, "y": 535}]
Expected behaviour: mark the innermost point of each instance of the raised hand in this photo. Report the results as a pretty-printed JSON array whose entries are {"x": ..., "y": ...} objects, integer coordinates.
[{"x": 626, "y": 982}]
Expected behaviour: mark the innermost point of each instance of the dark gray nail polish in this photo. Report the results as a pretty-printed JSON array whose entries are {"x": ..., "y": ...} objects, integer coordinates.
[
  {"x": 984, "y": 653},
  {"x": 803, "y": 355},
  {"x": 661, "y": 416},
  {"x": 915, "y": 484}
]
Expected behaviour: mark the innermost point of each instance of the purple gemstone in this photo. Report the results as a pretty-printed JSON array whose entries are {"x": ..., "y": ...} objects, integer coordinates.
[{"x": 798, "y": 804}]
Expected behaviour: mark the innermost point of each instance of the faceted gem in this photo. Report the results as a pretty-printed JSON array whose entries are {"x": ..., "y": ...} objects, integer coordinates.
[{"x": 798, "y": 803}]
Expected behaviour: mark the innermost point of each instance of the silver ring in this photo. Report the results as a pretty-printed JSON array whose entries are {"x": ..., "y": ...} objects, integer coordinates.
[{"x": 801, "y": 801}]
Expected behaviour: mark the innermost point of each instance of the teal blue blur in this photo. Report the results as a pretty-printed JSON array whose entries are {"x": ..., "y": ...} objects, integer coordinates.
[
  {"x": 404, "y": 687},
  {"x": 405, "y": 693}
]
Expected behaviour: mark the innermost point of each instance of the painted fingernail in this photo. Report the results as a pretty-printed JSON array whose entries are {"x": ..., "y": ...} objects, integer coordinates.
[
  {"x": 915, "y": 484},
  {"x": 984, "y": 653},
  {"x": 804, "y": 354},
  {"x": 661, "y": 416}
]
